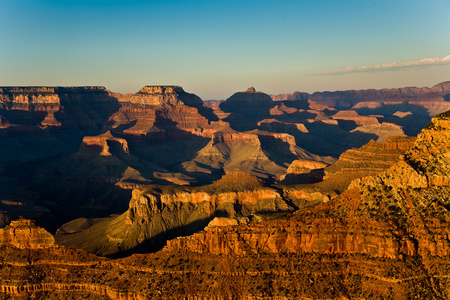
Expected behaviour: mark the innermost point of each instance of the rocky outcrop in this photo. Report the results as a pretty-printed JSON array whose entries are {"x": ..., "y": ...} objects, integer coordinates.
[
  {"x": 304, "y": 171},
  {"x": 383, "y": 131},
  {"x": 159, "y": 113},
  {"x": 24, "y": 234},
  {"x": 300, "y": 166},
  {"x": 371, "y": 158},
  {"x": 273, "y": 125},
  {"x": 159, "y": 95},
  {"x": 101, "y": 144}
]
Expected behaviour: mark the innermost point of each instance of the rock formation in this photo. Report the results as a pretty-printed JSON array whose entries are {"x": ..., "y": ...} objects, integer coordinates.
[
  {"x": 351, "y": 115},
  {"x": 303, "y": 171},
  {"x": 157, "y": 212},
  {"x": 370, "y": 159},
  {"x": 24, "y": 234}
]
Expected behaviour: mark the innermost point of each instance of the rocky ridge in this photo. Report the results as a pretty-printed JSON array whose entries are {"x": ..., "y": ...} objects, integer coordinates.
[{"x": 427, "y": 97}]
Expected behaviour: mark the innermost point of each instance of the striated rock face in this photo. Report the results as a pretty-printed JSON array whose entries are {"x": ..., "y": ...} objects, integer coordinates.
[
  {"x": 24, "y": 234},
  {"x": 327, "y": 237},
  {"x": 162, "y": 95},
  {"x": 83, "y": 108},
  {"x": 156, "y": 211},
  {"x": 369, "y": 159},
  {"x": 236, "y": 193},
  {"x": 161, "y": 113}
]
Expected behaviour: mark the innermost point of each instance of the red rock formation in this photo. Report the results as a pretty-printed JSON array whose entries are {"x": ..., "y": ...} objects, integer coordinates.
[
  {"x": 67, "y": 107},
  {"x": 351, "y": 115},
  {"x": 160, "y": 113},
  {"x": 24, "y": 234},
  {"x": 100, "y": 144},
  {"x": 369, "y": 159}
]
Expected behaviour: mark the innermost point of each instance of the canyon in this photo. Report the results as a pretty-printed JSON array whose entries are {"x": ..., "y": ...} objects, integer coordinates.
[{"x": 159, "y": 195}]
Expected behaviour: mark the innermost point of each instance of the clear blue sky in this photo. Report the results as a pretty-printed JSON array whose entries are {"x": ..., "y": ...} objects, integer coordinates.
[{"x": 215, "y": 48}]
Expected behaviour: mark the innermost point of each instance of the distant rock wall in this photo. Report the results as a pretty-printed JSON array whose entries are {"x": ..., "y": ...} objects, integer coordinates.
[{"x": 430, "y": 98}]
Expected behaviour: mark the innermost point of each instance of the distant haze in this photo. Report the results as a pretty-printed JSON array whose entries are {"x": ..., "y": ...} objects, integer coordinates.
[{"x": 216, "y": 48}]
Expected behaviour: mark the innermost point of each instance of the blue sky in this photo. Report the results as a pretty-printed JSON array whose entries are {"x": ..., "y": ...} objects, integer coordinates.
[{"x": 215, "y": 48}]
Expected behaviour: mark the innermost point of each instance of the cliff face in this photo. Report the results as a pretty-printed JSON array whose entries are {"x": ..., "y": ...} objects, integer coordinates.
[
  {"x": 370, "y": 159},
  {"x": 160, "y": 113},
  {"x": 24, "y": 234},
  {"x": 163, "y": 95},
  {"x": 82, "y": 108}
]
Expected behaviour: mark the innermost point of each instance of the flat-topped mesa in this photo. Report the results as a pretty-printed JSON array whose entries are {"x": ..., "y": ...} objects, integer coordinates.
[
  {"x": 161, "y": 95},
  {"x": 41, "y": 95},
  {"x": 351, "y": 115},
  {"x": 234, "y": 188}
]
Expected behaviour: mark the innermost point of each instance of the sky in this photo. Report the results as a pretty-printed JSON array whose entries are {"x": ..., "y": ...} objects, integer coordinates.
[{"x": 216, "y": 48}]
